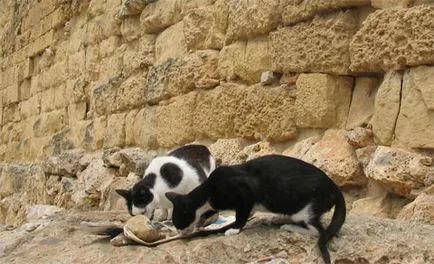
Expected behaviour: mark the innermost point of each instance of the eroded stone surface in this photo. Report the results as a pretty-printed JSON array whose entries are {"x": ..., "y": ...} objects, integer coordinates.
[{"x": 392, "y": 39}]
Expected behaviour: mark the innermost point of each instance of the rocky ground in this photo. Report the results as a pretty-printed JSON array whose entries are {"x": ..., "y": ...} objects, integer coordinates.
[{"x": 59, "y": 239}]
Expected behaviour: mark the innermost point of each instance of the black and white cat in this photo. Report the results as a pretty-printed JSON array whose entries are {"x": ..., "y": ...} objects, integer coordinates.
[
  {"x": 274, "y": 183},
  {"x": 180, "y": 171}
]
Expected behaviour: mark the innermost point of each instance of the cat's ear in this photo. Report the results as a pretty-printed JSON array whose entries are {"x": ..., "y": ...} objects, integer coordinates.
[
  {"x": 172, "y": 196},
  {"x": 124, "y": 193}
]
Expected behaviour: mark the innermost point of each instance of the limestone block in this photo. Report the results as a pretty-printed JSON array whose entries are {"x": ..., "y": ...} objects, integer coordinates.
[
  {"x": 96, "y": 8},
  {"x": 49, "y": 123},
  {"x": 76, "y": 112},
  {"x": 34, "y": 85},
  {"x": 231, "y": 60},
  {"x": 174, "y": 121},
  {"x": 197, "y": 25},
  {"x": 65, "y": 164},
  {"x": 225, "y": 151},
  {"x": 321, "y": 45},
  {"x": 256, "y": 150},
  {"x": 130, "y": 93},
  {"x": 138, "y": 54},
  {"x": 94, "y": 133},
  {"x": 60, "y": 100},
  {"x": 144, "y": 129},
  {"x": 203, "y": 66},
  {"x": 386, "y": 108},
  {"x": 265, "y": 113},
  {"x": 24, "y": 89},
  {"x": 397, "y": 170},
  {"x": 130, "y": 118},
  {"x": 108, "y": 46},
  {"x": 178, "y": 76},
  {"x": 75, "y": 90},
  {"x": 378, "y": 206},
  {"x": 31, "y": 107},
  {"x": 114, "y": 135},
  {"x": 11, "y": 179},
  {"x": 93, "y": 61},
  {"x": 392, "y": 39},
  {"x": 391, "y": 3},
  {"x": 257, "y": 59},
  {"x": 415, "y": 123},
  {"x": 362, "y": 102},
  {"x": 96, "y": 177},
  {"x": 160, "y": 14},
  {"x": 421, "y": 210},
  {"x": 248, "y": 19},
  {"x": 301, "y": 10},
  {"x": 104, "y": 97},
  {"x": 216, "y": 110},
  {"x": 322, "y": 100},
  {"x": 131, "y": 7},
  {"x": 47, "y": 100},
  {"x": 12, "y": 94},
  {"x": 170, "y": 43},
  {"x": 111, "y": 67},
  {"x": 359, "y": 137},
  {"x": 130, "y": 28},
  {"x": 336, "y": 157}
]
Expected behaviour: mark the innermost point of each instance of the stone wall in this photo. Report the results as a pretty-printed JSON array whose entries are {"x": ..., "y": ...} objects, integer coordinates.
[{"x": 313, "y": 79}]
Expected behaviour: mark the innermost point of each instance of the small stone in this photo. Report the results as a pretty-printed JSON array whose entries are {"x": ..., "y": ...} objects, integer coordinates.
[
  {"x": 268, "y": 77},
  {"x": 29, "y": 227},
  {"x": 282, "y": 254}
]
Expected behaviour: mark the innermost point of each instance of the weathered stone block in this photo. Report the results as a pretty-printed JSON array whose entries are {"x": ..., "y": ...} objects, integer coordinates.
[
  {"x": 130, "y": 118},
  {"x": 321, "y": 45},
  {"x": 174, "y": 121},
  {"x": 248, "y": 19},
  {"x": 226, "y": 151},
  {"x": 75, "y": 90},
  {"x": 130, "y": 28},
  {"x": 391, "y": 3},
  {"x": 96, "y": 8},
  {"x": 31, "y": 107},
  {"x": 266, "y": 114},
  {"x": 76, "y": 64},
  {"x": 216, "y": 111},
  {"x": 415, "y": 123},
  {"x": 362, "y": 102},
  {"x": 301, "y": 10},
  {"x": 160, "y": 14},
  {"x": 49, "y": 123},
  {"x": 11, "y": 113},
  {"x": 180, "y": 75},
  {"x": 170, "y": 43},
  {"x": 392, "y": 39},
  {"x": 111, "y": 67},
  {"x": 386, "y": 108},
  {"x": 104, "y": 97},
  {"x": 108, "y": 46},
  {"x": 60, "y": 99},
  {"x": 197, "y": 28},
  {"x": 24, "y": 89},
  {"x": 12, "y": 94},
  {"x": 114, "y": 135},
  {"x": 76, "y": 112},
  {"x": 130, "y": 93},
  {"x": 335, "y": 156},
  {"x": 397, "y": 170},
  {"x": 231, "y": 60},
  {"x": 144, "y": 129},
  {"x": 11, "y": 179},
  {"x": 138, "y": 55},
  {"x": 47, "y": 100},
  {"x": 421, "y": 210},
  {"x": 322, "y": 100},
  {"x": 94, "y": 133}
]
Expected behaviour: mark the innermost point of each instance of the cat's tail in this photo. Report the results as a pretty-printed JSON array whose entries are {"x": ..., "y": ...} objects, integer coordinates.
[{"x": 335, "y": 225}]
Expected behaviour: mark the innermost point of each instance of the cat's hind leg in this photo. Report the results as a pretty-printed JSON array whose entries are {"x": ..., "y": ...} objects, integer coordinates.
[{"x": 301, "y": 228}]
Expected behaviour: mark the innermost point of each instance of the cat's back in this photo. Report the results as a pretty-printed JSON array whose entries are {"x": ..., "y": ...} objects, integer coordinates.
[{"x": 196, "y": 155}]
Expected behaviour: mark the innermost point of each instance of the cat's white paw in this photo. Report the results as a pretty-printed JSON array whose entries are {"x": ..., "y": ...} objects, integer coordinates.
[{"x": 232, "y": 231}]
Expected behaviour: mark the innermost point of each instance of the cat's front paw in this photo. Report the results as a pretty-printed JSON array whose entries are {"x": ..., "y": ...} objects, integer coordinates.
[{"x": 232, "y": 231}]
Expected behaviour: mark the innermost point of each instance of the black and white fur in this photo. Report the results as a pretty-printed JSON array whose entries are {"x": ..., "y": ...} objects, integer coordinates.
[
  {"x": 180, "y": 171},
  {"x": 274, "y": 183}
]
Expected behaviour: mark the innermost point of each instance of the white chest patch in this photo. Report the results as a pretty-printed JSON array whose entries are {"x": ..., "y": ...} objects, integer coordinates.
[{"x": 304, "y": 215}]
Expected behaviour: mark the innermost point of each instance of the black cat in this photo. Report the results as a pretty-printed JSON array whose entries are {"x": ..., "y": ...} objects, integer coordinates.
[{"x": 276, "y": 183}]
